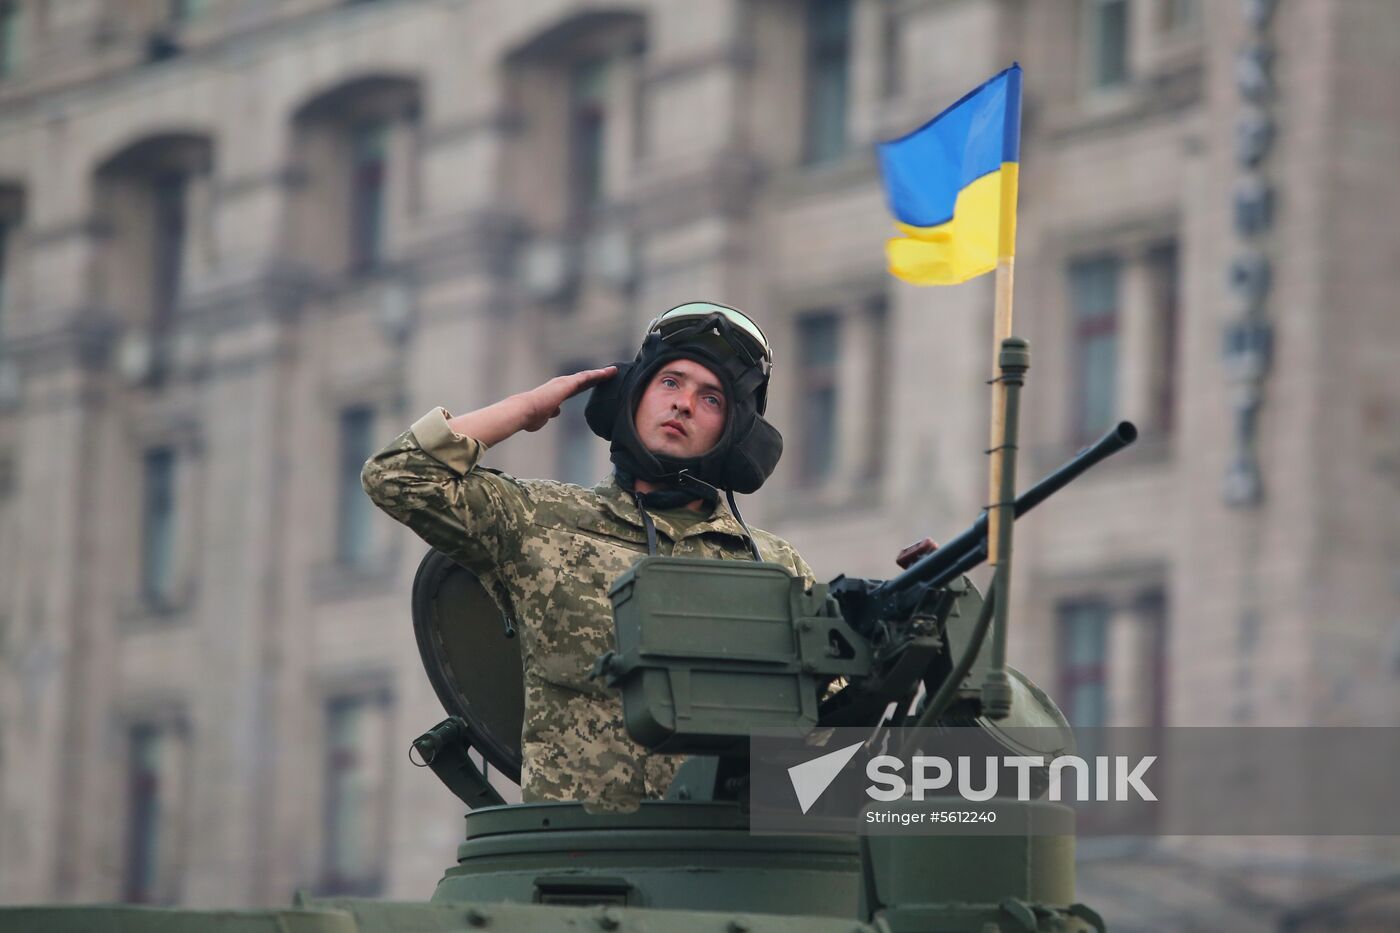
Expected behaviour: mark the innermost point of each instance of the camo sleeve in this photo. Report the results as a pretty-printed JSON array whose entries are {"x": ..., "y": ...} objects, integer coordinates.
[
  {"x": 801, "y": 568},
  {"x": 779, "y": 551},
  {"x": 428, "y": 479}
]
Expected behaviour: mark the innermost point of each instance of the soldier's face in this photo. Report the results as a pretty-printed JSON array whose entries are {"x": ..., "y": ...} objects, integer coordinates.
[{"x": 682, "y": 410}]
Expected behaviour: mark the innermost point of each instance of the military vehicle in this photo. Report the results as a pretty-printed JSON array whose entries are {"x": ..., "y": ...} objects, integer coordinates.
[{"x": 708, "y": 652}]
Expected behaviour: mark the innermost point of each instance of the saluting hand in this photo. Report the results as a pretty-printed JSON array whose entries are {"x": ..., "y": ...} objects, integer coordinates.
[
  {"x": 542, "y": 403},
  {"x": 527, "y": 411}
]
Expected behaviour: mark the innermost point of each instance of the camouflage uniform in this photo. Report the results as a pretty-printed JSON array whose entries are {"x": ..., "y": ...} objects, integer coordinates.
[{"x": 548, "y": 552}]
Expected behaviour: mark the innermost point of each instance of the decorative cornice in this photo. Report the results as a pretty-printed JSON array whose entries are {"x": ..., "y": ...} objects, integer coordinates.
[
  {"x": 483, "y": 240},
  {"x": 726, "y": 187},
  {"x": 85, "y": 337},
  {"x": 739, "y": 57},
  {"x": 286, "y": 177},
  {"x": 502, "y": 123},
  {"x": 854, "y": 169},
  {"x": 82, "y": 227},
  {"x": 1166, "y": 93},
  {"x": 277, "y": 290}
]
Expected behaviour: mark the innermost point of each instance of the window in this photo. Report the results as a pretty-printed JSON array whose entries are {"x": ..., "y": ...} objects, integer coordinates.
[
  {"x": 577, "y": 88},
  {"x": 168, "y": 244},
  {"x": 145, "y": 197},
  {"x": 1083, "y": 630},
  {"x": 1150, "y": 610},
  {"x": 158, "y": 527},
  {"x": 354, "y": 537},
  {"x": 154, "y": 795},
  {"x": 367, "y": 194},
  {"x": 1113, "y": 657},
  {"x": 1164, "y": 273},
  {"x": 1124, "y": 297},
  {"x": 841, "y": 395},
  {"x": 1112, "y": 673},
  {"x": 1094, "y": 287},
  {"x": 11, "y": 38},
  {"x": 347, "y": 143},
  {"x": 877, "y": 407},
  {"x": 588, "y": 132},
  {"x": 1106, "y": 43},
  {"x": 356, "y": 805},
  {"x": 817, "y": 336},
  {"x": 828, "y": 78},
  {"x": 576, "y": 439}
]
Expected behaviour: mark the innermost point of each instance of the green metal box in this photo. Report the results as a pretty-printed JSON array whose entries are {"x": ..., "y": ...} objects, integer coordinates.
[{"x": 708, "y": 650}]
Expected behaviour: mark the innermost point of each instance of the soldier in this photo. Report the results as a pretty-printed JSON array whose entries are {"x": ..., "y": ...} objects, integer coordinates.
[{"x": 685, "y": 419}]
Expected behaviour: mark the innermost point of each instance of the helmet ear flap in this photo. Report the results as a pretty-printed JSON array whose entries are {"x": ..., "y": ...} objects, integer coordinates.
[
  {"x": 753, "y": 457},
  {"x": 605, "y": 401}
]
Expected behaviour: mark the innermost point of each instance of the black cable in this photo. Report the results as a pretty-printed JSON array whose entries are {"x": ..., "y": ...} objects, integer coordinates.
[{"x": 648, "y": 524}]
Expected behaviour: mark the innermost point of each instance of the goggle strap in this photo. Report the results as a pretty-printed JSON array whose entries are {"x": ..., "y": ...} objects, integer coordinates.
[
  {"x": 726, "y": 330},
  {"x": 749, "y": 381}
]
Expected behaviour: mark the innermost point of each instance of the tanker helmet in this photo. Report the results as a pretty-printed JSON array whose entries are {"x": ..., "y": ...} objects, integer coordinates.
[
  {"x": 743, "y": 338},
  {"x": 725, "y": 341}
]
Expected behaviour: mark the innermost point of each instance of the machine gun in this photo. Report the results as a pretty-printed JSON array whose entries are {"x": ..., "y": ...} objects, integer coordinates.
[
  {"x": 895, "y": 615},
  {"x": 870, "y": 604}
]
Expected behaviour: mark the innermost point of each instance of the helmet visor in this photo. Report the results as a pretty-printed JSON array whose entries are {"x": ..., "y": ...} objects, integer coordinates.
[{"x": 752, "y": 343}]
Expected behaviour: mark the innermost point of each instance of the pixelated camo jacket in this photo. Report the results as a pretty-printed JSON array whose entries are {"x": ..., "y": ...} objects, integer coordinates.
[{"x": 548, "y": 551}]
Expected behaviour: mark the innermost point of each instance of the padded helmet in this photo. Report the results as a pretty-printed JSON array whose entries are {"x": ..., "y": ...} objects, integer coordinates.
[{"x": 725, "y": 341}]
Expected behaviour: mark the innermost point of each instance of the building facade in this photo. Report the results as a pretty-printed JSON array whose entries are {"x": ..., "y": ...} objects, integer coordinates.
[{"x": 244, "y": 244}]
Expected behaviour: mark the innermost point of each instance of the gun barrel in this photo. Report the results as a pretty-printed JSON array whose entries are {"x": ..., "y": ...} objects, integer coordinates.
[
  {"x": 969, "y": 548},
  {"x": 1115, "y": 439}
]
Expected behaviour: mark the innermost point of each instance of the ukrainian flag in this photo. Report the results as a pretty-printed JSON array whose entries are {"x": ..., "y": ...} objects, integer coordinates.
[{"x": 952, "y": 186}]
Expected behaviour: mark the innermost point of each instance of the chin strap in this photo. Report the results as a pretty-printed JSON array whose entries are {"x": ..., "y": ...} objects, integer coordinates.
[{"x": 734, "y": 507}]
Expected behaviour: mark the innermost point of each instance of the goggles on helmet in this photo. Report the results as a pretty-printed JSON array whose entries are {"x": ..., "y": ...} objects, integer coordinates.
[{"x": 743, "y": 336}]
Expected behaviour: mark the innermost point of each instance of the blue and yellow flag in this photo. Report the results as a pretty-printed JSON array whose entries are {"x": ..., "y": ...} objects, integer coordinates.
[{"x": 952, "y": 185}]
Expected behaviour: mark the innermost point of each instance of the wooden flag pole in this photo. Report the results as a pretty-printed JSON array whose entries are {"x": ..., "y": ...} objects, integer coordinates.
[{"x": 1011, "y": 359}]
